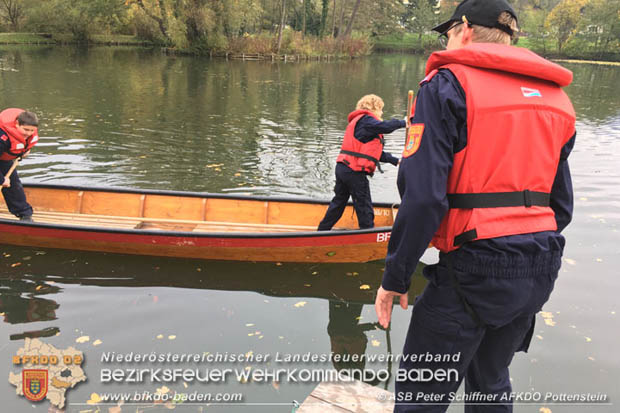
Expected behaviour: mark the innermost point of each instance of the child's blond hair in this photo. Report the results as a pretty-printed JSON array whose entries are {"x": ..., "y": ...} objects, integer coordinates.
[{"x": 372, "y": 103}]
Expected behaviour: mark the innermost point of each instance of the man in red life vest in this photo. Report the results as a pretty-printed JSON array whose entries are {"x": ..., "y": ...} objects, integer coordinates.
[
  {"x": 18, "y": 134},
  {"x": 485, "y": 176},
  {"x": 360, "y": 154}
]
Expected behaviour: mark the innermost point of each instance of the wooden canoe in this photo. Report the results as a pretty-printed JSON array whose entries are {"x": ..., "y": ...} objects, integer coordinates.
[{"x": 193, "y": 225}]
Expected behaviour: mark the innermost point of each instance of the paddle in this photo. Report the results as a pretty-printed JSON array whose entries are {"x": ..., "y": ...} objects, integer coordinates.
[
  {"x": 12, "y": 168},
  {"x": 409, "y": 103}
]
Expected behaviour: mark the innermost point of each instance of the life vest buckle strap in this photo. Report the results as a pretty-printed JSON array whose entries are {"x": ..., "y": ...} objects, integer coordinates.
[
  {"x": 466, "y": 236},
  {"x": 525, "y": 198},
  {"x": 360, "y": 155}
]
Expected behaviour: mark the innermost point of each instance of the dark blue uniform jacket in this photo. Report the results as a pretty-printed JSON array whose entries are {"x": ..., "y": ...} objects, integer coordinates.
[{"x": 368, "y": 128}]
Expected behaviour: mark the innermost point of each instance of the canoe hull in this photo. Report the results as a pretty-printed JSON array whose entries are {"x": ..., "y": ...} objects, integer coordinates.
[
  {"x": 193, "y": 225},
  {"x": 360, "y": 247}
]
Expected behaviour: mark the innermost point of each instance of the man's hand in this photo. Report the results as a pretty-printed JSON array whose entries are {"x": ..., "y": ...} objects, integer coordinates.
[
  {"x": 383, "y": 305},
  {"x": 7, "y": 182},
  {"x": 25, "y": 154}
]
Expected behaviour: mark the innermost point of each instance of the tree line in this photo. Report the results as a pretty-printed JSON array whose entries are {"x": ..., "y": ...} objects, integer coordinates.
[{"x": 305, "y": 26}]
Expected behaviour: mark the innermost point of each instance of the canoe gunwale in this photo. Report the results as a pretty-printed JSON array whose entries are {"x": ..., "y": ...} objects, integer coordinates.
[
  {"x": 192, "y": 194},
  {"x": 190, "y": 234}
]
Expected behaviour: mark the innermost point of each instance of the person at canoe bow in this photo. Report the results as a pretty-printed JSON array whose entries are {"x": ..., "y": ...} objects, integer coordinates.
[
  {"x": 18, "y": 134},
  {"x": 485, "y": 176},
  {"x": 360, "y": 154}
]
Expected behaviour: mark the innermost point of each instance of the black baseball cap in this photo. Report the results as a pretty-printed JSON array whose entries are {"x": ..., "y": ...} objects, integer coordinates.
[{"x": 480, "y": 12}]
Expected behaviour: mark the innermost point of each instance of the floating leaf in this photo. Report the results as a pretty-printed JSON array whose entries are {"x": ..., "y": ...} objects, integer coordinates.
[
  {"x": 331, "y": 253},
  {"x": 17, "y": 264},
  {"x": 307, "y": 285},
  {"x": 160, "y": 336},
  {"x": 94, "y": 399},
  {"x": 172, "y": 337},
  {"x": 539, "y": 337},
  {"x": 315, "y": 272},
  {"x": 549, "y": 322},
  {"x": 375, "y": 343},
  {"x": 364, "y": 287},
  {"x": 591, "y": 358},
  {"x": 588, "y": 339},
  {"x": 82, "y": 339},
  {"x": 249, "y": 325},
  {"x": 545, "y": 410},
  {"x": 570, "y": 261},
  {"x": 97, "y": 342},
  {"x": 300, "y": 304}
]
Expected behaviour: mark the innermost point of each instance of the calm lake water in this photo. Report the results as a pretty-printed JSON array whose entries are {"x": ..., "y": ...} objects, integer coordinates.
[{"x": 136, "y": 118}]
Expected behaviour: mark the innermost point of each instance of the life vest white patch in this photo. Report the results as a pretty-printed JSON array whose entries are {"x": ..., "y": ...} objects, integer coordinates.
[
  {"x": 530, "y": 93},
  {"x": 19, "y": 146}
]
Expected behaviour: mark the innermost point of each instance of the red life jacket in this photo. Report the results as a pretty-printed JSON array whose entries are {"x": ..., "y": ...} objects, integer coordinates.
[
  {"x": 361, "y": 157},
  {"x": 19, "y": 144},
  {"x": 518, "y": 120}
]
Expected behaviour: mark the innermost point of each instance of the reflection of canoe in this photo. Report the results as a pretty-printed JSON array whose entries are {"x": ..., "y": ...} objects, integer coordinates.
[
  {"x": 51, "y": 270},
  {"x": 196, "y": 225}
]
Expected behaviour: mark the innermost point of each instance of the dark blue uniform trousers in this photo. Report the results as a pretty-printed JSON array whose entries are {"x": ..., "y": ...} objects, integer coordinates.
[
  {"x": 14, "y": 196},
  {"x": 505, "y": 302},
  {"x": 353, "y": 184}
]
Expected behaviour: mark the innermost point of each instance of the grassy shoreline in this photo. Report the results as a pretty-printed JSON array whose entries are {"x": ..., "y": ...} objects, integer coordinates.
[
  {"x": 406, "y": 43},
  {"x": 61, "y": 39}
]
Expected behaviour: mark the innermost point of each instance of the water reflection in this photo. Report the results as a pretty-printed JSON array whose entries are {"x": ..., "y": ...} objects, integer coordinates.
[
  {"x": 21, "y": 301},
  {"x": 347, "y": 287}
]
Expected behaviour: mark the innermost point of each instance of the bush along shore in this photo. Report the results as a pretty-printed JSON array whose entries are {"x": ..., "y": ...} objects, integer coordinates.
[{"x": 295, "y": 47}]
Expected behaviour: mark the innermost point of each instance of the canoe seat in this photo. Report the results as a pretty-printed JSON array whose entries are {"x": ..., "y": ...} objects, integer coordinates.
[
  {"x": 162, "y": 224},
  {"x": 76, "y": 219}
]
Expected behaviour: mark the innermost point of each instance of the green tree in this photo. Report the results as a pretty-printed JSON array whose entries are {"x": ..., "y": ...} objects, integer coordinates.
[
  {"x": 564, "y": 19},
  {"x": 324, "y": 12},
  {"x": 601, "y": 25},
  {"x": 13, "y": 11},
  {"x": 419, "y": 16}
]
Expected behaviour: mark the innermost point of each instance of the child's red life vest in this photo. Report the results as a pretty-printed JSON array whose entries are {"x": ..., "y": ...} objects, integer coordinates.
[
  {"x": 360, "y": 157},
  {"x": 19, "y": 144}
]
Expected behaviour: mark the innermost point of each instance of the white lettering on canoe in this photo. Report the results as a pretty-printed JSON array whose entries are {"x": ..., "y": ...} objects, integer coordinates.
[
  {"x": 184, "y": 243},
  {"x": 383, "y": 212},
  {"x": 383, "y": 236}
]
